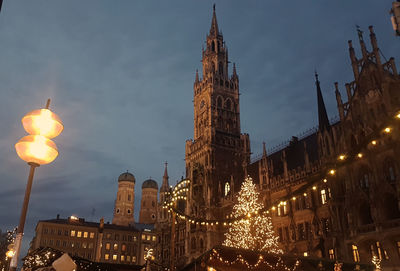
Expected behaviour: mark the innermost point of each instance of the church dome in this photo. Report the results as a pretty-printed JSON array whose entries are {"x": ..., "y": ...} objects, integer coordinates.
[
  {"x": 150, "y": 184},
  {"x": 127, "y": 177}
]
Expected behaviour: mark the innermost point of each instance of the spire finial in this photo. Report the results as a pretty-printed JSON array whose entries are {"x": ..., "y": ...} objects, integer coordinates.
[
  {"x": 316, "y": 75},
  {"x": 360, "y": 33},
  {"x": 214, "y": 25},
  {"x": 264, "y": 149}
]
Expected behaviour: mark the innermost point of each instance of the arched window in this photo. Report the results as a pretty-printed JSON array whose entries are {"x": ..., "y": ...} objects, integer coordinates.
[
  {"x": 227, "y": 188},
  {"x": 213, "y": 46},
  {"x": 228, "y": 104},
  {"x": 390, "y": 206},
  {"x": 365, "y": 214},
  {"x": 364, "y": 178},
  {"x": 389, "y": 171},
  {"x": 153, "y": 204},
  {"x": 219, "y": 102},
  {"x": 201, "y": 245},
  {"x": 193, "y": 243},
  {"x": 220, "y": 68}
]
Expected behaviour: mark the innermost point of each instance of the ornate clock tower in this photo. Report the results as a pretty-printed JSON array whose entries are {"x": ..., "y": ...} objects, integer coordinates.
[{"x": 216, "y": 158}]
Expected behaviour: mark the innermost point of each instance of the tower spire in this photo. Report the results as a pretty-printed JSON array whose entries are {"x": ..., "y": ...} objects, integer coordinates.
[
  {"x": 214, "y": 24},
  {"x": 165, "y": 184},
  {"x": 323, "y": 120}
]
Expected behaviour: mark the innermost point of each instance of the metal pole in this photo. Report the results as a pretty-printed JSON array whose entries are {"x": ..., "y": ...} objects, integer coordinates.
[
  {"x": 20, "y": 230},
  {"x": 172, "y": 254}
]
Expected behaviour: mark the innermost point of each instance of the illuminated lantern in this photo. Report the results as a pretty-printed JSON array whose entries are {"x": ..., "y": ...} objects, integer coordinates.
[
  {"x": 42, "y": 122},
  {"x": 36, "y": 149}
]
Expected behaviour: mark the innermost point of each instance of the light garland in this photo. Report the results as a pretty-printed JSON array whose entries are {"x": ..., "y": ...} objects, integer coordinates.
[{"x": 260, "y": 261}]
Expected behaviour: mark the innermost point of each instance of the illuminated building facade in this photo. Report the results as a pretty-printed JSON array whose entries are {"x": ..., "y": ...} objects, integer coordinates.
[{"x": 352, "y": 216}]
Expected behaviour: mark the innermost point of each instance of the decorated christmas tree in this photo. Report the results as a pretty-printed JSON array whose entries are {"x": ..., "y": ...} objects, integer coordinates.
[{"x": 252, "y": 228}]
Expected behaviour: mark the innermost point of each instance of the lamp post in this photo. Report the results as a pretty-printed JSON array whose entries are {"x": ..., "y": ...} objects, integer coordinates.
[{"x": 36, "y": 149}]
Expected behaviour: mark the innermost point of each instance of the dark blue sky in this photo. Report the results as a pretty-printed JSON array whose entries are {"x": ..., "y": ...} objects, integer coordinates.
[{"x": 120, "y": 76}]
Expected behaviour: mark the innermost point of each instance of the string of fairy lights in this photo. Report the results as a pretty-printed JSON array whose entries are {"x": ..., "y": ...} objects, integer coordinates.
[
  {"x": 215, "y": 255},
  {"x": 180, "y": 191}
]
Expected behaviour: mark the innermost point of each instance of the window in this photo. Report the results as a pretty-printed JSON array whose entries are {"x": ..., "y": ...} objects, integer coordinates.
[
  {"x": 323, "y": 196},
  {"x": 129, "y": 197},
  {"x": 133, "y": 259},
  {"x": 90, "y": 245},
  {"x": 356, "y": 255},
  {"x": 143, "y": 237},
  {"x": 79, "y": 234},
  {"x": 84, "y": 245},
  {"x": 64, "y": 243},
  {"x": 115, "y": 257},
  {"x": 123, "y": 247},
  {"x": 59, "y": 232},
  {"x": 331, "y": 254},
  {"x": 116, "y": 238},
  {"x": 58, "y": 243},
  {"x": 122, "y": 258},
  {"x": 307, "y": 230},
  {"x": 115, "y": 247},
  {"x": 108, "y": 246},
  {"x": 300, "y": 229},
  {"x": 227, "y": 188},
  {"x": 91, "y": 235},
  {"x": 128, "y": 258},
  {"x": 154, "y": 238},
  {"x": 285, "y": 208},
  {"x": 398, "y": 246},
  {"x": 108, "y": 235},
  {"x": 219, "y": 102},
  {"x": 66, "y": 233},
  {"x": 129, "y": 211},
  {"x": 106, "y": 256},
  {"x": 72, "y": 244},
  {"x": 45, "y": 230},
  {"x": 85, "y": 234},
  {"x": 72, "y": 233},
  {"x": 148, "y": 237},
  {"x": 280, "y": 234}
]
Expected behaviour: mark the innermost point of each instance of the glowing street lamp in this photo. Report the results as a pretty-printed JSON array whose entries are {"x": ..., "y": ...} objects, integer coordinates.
[{"x": 36, "y": 149}]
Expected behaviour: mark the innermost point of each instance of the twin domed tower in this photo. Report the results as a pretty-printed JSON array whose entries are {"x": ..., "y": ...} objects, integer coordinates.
[{"x": 125, "y": 201}]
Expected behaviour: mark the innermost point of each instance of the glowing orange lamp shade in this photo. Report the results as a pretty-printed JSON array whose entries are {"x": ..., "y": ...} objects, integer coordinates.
[
  {"x": 36, "y": 149},
  {"x": 42, "y": 122}
]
